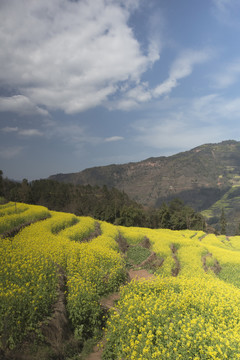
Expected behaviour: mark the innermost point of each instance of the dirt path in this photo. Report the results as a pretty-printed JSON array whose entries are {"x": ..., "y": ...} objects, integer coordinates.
[
  {"x": 11, "y": 233},
  {"x": 110, "y": 302},
  {"x": 140, "y": 275},
  {"x": 216, "y": 267},
  {"x": 97, "y": 352},
  {"x": 202, "y": 237},
  {"x": 175, "y": 271}
]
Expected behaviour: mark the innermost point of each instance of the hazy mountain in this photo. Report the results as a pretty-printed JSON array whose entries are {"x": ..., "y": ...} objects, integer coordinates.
[{"x": 200, "y": 177}]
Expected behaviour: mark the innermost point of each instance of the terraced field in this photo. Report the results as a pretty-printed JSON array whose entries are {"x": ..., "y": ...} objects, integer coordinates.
[{"x": 57, "y": 268}]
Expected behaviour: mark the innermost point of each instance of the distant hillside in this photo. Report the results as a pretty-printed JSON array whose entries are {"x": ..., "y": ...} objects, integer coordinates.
[{"x": 200, "y": 177}]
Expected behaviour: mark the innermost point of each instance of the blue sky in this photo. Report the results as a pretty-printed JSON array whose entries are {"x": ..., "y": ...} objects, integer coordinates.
[{"x": 94, "y": 82}]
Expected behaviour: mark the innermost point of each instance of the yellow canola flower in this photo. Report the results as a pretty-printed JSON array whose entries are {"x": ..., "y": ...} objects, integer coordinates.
[
  {"x": 29, "y": 272},
  {"x": 195, "y": 315},
  {"x": 21, "y": 214},
  {"x": 184, "y": 318},
  {"x": 81, "y": 230}
]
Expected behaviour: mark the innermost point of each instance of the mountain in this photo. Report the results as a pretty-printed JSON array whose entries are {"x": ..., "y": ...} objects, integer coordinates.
[{"x": 201, "y": 177}]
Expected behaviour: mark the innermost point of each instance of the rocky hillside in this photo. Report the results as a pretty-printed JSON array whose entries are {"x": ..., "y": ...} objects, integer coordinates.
[{"x": 200, "y": 177}]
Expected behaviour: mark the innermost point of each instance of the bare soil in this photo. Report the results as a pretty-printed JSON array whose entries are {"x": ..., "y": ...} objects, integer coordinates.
[
  {"x": 216, "y": 268},
  {"x": 140, "y": 275},
  {"x": 175, "y": 271},
  {"x": 57, "y": 329},
  {"x": 152, "y": 261},
  {"x": 202, "y": 237},
  {"x": 122, "y": 243},
  {"x": 14, "y": 231},
  {"x": 110, "y": 302},
  {"x": 145, "y": 243},
  {"x": 97, "y": 232}
]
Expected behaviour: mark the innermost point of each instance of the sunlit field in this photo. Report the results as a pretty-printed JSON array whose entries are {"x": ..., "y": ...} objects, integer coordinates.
[{"x": 190, "y": 310}]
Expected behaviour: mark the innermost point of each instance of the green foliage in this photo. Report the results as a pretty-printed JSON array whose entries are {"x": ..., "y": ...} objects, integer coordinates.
[
  {"x": 230, "y": 273},
  {"x": 102, "y": 203},
  {"x": 2, "y": 200},
  {"x": 177, "y": 216},
  {"x": 229, "y": 204},
  {"x": 105, "y": 204},
  {"x": 137, "y": 254},
  {"x": 223, "y": 222},
  {"x": 131, "y": 216}
]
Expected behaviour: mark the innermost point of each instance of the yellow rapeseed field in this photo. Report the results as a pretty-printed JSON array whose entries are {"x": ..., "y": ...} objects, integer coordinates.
[
  {"x": 195, "y": 315},
  {"x": 175, "y": 318},
  {"x": 29, "y": 273}
]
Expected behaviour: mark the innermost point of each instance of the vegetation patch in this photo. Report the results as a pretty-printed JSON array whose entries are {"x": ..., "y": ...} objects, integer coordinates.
[
  {"x": 176, "y": 268},
  {"x": 137, "y": 254},
  {"x": 175, "y": 318},
  {"x": 209, "y": 263},
  {"x": 230, "y": 274},
  {"x": 58, "y": 291}
]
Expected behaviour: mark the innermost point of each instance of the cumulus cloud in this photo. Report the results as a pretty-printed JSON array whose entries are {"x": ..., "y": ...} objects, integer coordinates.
[{"x": 68, "y": 55}]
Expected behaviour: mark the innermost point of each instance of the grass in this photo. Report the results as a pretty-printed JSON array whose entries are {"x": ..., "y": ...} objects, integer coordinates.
[{"x": 137, "y": 254}]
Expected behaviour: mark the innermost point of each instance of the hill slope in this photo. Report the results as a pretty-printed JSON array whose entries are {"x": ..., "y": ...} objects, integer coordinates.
[
  {"x": 200, "y": 177},
  {"x": 59, "y": 273}
]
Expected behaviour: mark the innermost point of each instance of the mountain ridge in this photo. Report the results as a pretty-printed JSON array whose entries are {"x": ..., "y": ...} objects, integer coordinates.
[{"x": 200, "y": 176}]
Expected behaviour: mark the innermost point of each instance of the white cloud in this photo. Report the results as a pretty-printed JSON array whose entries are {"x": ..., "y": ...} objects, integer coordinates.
[
  {"x": 175, "y": 134},
  {"x": 10, "y": 152},
  {"x": 227, "y": 11},
  {"x": 140, "y": 93},
  {"x": 68, "y": 55},
  {"x": 215, "y": 109},
  {"x": 23, "y": 132},
  {"x": 181, "y": 68},
  {"x": 20, "y": 104},
  {"x": 30, "y": 132},
  {"x": 113, "y": 138},
  {"x": 228, "y": 76},
  {"x": 9, "y": 129},
  {"x": 187, "y": 123}
]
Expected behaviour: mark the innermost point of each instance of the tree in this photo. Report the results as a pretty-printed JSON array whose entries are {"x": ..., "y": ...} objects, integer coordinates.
[
  {"x": 24, "y": 191},
  {"x": 164, "y": 216},
  {"x": 223, "y": 223},
  {"x": 131, "y": 216},
  {"x": 238, "y": 230}
]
